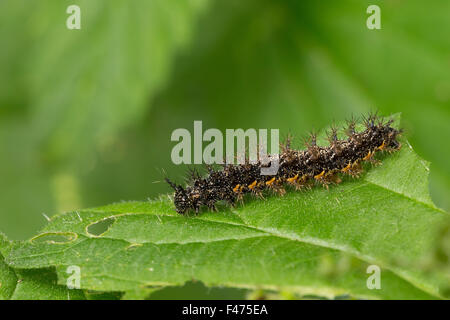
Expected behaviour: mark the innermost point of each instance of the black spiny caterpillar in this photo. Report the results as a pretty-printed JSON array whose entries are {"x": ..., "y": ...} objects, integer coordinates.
[{"x": 296, "y": 168}]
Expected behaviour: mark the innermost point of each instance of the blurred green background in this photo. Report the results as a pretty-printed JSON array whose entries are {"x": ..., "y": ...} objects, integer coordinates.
[{"x": 86, "y": 115}]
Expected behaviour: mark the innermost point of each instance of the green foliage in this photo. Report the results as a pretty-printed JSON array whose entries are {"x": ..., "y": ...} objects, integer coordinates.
[
  {"x": 319, "y": 242},
  {"x": 86, "y": 118}
]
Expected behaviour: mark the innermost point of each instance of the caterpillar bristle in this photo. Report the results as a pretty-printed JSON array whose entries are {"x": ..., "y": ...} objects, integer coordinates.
[
  {"x": 351, "y": 125},
  {"x": 171, "y": 184},
  {"x": 285, "y": 146}
]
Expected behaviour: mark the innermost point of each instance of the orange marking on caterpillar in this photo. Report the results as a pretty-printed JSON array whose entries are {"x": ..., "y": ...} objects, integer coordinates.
[
  {"x": 293, "y": 179},
  {"x": 320, "y": 175},
  {"x": 368, "y": 156},
  {"x": 382, "y": 146},
  {"x": 235, "y": 189},
  {"x": 347, "y": 168},
  {"x": 270, "y": 181},
  {"x": 251, "y": 186}
]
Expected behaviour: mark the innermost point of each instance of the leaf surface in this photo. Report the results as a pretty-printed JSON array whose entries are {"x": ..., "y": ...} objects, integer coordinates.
[{"x": 31, "y": 284}]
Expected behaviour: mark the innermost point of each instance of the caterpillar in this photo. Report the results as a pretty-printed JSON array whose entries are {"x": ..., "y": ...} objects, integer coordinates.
[{"x": 297, "y": 168}]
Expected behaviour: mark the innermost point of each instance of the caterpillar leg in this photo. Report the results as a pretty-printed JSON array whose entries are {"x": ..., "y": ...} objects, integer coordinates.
[{"x": 353, "y": 169}]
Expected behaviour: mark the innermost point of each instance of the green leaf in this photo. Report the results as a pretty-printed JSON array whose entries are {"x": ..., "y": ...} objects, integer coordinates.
[
  {"x": 139, "y": 293},
  {"x": 8, "y": 278},
  {"x": 41, "y": 284},
  {"x": 36, "y": 284},
  {"x": 315, "y": 242}
]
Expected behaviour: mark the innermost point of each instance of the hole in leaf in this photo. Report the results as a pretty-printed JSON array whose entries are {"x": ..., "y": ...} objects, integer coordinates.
[
  {"x": 55, "y": 237},
  {"x": 98, "y": 228},
  {"x": 134, "y": 246}
]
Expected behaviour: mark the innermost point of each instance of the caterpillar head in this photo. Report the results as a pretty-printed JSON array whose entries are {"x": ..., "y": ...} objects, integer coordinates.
[
  {"x": 391, "y": 135},
  {"x": 183, "y": 200}
]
